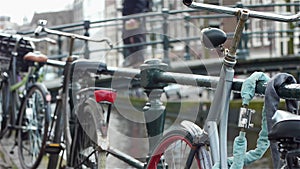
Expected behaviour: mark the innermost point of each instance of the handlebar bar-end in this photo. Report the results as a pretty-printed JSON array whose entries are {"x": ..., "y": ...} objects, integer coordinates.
[
  {"x": 38, "y": 30},
  {"x": 41, "y": 25},
  {"x": 110, "y": 45},
  {"x": 187, "y": 2}
]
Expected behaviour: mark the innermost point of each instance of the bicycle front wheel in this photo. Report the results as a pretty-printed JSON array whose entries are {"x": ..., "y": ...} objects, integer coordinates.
[
  {"x": 33, "y": 126},
  {"x": 177, "y": 150}
]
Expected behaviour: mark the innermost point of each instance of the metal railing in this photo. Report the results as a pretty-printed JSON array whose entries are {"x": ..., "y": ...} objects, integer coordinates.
[{"x": 165, "y": 30}]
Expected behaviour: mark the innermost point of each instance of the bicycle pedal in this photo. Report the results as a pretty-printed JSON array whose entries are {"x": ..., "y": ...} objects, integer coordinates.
[{"x": 54, "y": 148}]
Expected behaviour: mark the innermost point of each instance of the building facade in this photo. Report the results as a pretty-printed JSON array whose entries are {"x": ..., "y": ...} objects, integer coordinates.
[{"x": 262, "y": 39}]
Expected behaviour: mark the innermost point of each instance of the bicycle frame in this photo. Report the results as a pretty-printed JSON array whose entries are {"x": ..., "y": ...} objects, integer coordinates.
[
  {"x": 218, "y": 113},
  {"x": 31, "y": 76},
  {"x": 17, "y": 42}
]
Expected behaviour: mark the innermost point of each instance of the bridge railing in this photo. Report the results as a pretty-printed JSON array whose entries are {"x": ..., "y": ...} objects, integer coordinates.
[
  {"x": 175, "y": 31},
  {"x": 153, "y": 77}
]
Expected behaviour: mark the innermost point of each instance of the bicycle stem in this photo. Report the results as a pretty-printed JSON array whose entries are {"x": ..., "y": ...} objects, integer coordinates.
[
  {"x": 72, "y": 38},
  {"x": 243, "y": 17}
]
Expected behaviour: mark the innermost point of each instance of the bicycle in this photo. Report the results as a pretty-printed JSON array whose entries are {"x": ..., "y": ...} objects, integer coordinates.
[
  {"x": 197, "y": 140},
  {"x": 200, "y": 139},
  {"x": 90, "y": 105},
  {"x": 13, "y": 91},
  {"x": 61, "y": 135},
  {"x": 10, "y": 49}
]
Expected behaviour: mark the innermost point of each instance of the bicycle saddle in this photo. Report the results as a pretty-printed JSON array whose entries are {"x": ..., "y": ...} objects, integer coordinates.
[
  {"x": 287, "y": 125},
  {"x": 213, "y": 37},
  {"x": 36, "y": 57}
]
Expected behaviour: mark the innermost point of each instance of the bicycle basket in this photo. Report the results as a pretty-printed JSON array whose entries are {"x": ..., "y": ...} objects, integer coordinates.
[{"x": 7, "y": 45}]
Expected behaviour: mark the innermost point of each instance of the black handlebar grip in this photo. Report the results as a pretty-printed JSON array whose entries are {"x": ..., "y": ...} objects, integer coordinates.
[{"x": 187, "y": 2}]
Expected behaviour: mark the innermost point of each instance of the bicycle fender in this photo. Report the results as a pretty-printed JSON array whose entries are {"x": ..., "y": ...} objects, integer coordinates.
[{"x": 199, "y": 135}]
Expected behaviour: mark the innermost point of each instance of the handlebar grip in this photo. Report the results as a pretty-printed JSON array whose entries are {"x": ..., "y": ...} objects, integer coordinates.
[{"x": 39, "y": 29}]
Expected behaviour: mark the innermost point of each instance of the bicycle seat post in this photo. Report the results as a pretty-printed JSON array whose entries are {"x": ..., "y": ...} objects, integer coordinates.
[{"x": 72, "y": 39}]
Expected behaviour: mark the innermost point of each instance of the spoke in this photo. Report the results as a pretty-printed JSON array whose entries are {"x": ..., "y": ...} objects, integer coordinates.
[{"x": 32, "y": 128}]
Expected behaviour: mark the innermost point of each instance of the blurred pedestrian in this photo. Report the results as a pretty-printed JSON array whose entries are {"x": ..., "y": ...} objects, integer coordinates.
[{"x": 134, "y": 32}]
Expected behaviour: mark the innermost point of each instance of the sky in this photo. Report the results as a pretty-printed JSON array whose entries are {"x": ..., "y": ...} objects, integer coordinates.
[{"x": 18, "y": 9}]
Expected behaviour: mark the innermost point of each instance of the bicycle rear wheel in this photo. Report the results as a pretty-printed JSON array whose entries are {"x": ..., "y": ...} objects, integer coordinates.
[
  {"x": 177, "y": 150},
  {"x": 85, "y": 152},
  {"x": 4, "y": 110},
  {"x": 33, "y": 126}
]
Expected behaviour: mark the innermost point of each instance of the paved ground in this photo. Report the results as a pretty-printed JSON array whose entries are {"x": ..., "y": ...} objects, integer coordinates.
[{"x": 8, "y": 160}]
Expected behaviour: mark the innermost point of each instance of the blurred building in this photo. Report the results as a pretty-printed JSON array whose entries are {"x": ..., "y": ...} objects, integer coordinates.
[
  {"x": 6, "y": 25},
  {"x": 265, "y": 38},
  {"x": 53, "y": 19}
]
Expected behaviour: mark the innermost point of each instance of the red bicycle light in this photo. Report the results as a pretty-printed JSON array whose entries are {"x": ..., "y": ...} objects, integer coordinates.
[{"x": 105, "y": 95}]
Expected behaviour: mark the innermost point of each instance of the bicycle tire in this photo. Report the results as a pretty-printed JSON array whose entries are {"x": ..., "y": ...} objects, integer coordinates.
[
  {"x": 14, "y": 100},
  {"x": 33, "y": 126},
  {"x": 5, "y": 97},
  {"x": 171, "y": 152},
  {"x": 85, "y": 151}
]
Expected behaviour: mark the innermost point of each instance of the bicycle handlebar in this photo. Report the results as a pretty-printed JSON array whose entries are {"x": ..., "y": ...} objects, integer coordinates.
[
  {"x": 236, "y": 12},
  {"x": 49, "y": 40},
  {"x": 41, "y": 28},
  {"x": 27, "y": 42},
  {"x": 30, "y": 39}
]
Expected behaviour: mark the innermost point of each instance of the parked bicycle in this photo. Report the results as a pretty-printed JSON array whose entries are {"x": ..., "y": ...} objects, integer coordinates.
[
  {"x": 187, "y": 146},
  {"x": 87, "y": 146},
  {"x": 13, "y": 89},
  {"x": 12, "y": 49},
  {"x": 62, "y": 138},
  {"x": 216, "y": 123}
]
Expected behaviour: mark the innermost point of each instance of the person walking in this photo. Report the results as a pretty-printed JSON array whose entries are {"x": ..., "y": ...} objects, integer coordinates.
[{"x": 134, "y": 32}]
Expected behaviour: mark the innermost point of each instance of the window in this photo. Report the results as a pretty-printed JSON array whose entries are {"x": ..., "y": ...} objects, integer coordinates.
[
  {"x": 266, "y": 1},
  {"x": 246, "y": 2},
  {"x": 255, "y": 26},
  {"x": 255, "y": 2},
  {"x": 265, "y": 28},
  {"x": 297, "y": 8}
]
